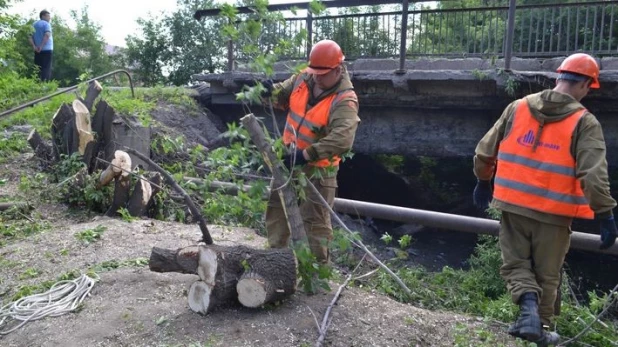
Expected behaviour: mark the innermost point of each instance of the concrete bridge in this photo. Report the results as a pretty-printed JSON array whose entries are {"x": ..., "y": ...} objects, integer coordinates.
[{"x": 437, "y": 107}]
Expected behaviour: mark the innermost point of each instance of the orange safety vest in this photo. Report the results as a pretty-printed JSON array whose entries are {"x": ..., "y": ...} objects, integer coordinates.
[
  {"x": 307, "y": 126},
  {"x": 541, "y": 178}
]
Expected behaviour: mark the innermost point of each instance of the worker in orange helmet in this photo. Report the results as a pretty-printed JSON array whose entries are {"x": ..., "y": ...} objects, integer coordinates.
[
  {"x": 548, "y": 155},
  {"x": 320, "y": 127}
]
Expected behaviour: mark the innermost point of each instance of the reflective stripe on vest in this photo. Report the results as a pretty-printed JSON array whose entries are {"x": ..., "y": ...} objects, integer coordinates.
[
  {"x": 307, "y": 126},
  {"x": 539, "y": 173}
]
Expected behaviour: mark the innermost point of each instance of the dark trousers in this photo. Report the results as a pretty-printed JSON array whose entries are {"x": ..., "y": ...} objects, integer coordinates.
[{"x": 43, "y": 60}]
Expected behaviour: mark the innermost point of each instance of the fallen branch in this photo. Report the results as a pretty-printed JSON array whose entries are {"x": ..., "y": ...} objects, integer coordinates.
[
  {"x": 206, "y": 238},
  {"x": 359, "y": 243},
  {"x": 7, "y": 205},
  {"x": 325, "y": 321}
]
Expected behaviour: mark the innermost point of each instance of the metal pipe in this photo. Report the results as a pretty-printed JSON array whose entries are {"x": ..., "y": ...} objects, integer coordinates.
[
  {"x": 66, "y": 90},
  {"x": 309, "y": 26},
  {"x": 404, "y": 36},
  {"x": 510, "y": 32},
  {"x": 439, "y": 220}
]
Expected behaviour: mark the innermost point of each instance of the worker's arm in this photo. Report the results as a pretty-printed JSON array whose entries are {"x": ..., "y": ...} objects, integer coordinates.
[
  {"x": 590, "y": 156},
  {"x": 486, "y": 152},
  {"x": 281, "y": 93},
  {"x": 340, "y": 131}
]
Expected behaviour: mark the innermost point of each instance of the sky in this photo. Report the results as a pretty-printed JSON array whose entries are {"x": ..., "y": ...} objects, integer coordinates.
[{"x": 116, "y": 17}]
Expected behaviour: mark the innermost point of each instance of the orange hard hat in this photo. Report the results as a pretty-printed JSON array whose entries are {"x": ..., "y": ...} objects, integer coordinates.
[
  {"x": 582, "y": 64},
  {"x": 325, "y": 56}
]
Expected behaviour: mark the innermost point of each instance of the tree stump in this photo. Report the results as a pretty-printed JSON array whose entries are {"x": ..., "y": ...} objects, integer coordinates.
[
  {"x": 94, "y": 89},
  {"x": 220, "y": 269},
  {"x": 42, "y": 150},
  {"x": 140, "y": 197}
]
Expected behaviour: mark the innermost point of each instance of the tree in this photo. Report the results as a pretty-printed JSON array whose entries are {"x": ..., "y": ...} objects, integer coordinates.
[{"x": 177, "y": 44}]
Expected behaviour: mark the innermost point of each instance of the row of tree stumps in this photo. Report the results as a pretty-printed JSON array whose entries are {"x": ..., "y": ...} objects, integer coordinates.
[{"x": 93, "y": 133}]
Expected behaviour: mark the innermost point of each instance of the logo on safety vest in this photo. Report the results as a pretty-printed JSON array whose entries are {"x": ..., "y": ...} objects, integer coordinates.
[{"x": 527, "y": 140}]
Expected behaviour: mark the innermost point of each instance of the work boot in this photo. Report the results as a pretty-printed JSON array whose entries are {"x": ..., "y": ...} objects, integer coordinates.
[
  {"x": 528, "y": 325},
  {"x": 548, "y": 338}
]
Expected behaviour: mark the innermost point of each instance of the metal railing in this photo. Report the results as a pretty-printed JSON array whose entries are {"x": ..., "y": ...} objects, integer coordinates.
[
  {"x": 66, "y": 90},
  {"x": 415, "y": 30}
]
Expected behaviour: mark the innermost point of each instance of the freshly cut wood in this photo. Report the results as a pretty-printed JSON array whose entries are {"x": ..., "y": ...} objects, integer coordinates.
[
  {"x": 220, "y": 267},
  {"x": 199, "y": 297},
  {"x": 94, "y": 89},
  {"x": 255, "y": 291},
  {"x": 287, "y": 194},
  {"x": 142, "y": 193},
  {"x": 42, "y": 150},
  {"x": 120, "y": 165},
  {"x": 85, "y": 138}
]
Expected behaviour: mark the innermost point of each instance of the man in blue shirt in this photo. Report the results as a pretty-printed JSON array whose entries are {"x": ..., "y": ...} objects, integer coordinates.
[{"x": 43, "y": 45}]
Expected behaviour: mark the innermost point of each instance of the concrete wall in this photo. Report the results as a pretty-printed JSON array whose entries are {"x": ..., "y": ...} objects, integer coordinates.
[{"x": 438, "y": 107}]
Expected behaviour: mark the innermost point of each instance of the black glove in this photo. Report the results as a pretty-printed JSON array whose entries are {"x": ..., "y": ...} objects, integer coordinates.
[
  {"x": 482, "y": 195},
  {"x": 296, "y": 158},
  {"x": 268, "y": 84},
  {"x": 608, "y": 232}
]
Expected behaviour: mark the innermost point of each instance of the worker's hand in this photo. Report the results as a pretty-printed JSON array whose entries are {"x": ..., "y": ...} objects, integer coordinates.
[
  {"x": 296, "y": 158},
  {"x": 608, "y": 232},
  {"x": 482, "y": 194}
]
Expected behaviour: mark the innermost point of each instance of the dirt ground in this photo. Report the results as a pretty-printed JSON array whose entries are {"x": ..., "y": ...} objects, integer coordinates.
[{"x": 131, "y": 306}]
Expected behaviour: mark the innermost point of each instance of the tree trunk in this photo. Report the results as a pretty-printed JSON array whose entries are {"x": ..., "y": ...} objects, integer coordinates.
[
  {"x": 122, "y": 188},
  {"x": 41, "y": 149},
  {"x": 94, "y": 89},
  {"x": 286, "y": 193},
  {"x": 220, "y": 267},
  {"x": 102, "y": 128},
  {"x": 140, "y": 197},
  {"x": 62, "y": 131}
]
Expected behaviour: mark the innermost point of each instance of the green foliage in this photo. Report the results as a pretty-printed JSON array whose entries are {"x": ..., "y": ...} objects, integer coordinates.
[
  {"x": 19, "y": 224},
  {"x": 114, "y": 264},
  {"x": 393, "y": 163},
  {"x": 125, "y": 215},
  {"x": 386, "y": 238},
  {"x": 312, "y": 274},
  {"x": 405, "y": 241},
  {"x": 12, "y": 145},
  {"x": 178, "y": 43},
  {"x": 89, "y": 236},
  {"x": 28, "y": 273},
  {"x": 90, "y": 196}
]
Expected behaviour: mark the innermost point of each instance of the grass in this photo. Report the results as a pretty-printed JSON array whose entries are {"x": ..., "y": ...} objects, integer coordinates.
[{"x": 89, "y": 236}]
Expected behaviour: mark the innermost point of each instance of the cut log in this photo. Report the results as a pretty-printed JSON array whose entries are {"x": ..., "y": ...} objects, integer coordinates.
[
  {"x": 121, "y": 164},
  {"x": 182, "y": 260},
  {"x": 142, "y": 193},
  {"x": 42, "y": 150},
  {"x": 286, "y": 193},
  {"x": 255, "y": 290},
  {"x": 94, "y": 89},
  {"x": 220, "y": 267},
  {"x": 85, "y": 138}
]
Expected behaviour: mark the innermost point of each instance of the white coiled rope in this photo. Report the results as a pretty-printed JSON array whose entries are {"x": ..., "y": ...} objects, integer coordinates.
[{"x": 63, "y": 297}]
